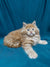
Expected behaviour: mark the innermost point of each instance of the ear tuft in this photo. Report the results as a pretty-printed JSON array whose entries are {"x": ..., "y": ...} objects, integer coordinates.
[
  {"x": 34, "y": 22},
  {"x": 24, "y": 24}
]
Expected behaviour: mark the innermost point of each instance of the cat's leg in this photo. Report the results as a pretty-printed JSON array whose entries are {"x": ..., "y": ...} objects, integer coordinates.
[
  {"x": 10, "y": 42},
  {"x": 44, "y": 42},
  {"x": 16, "y": 44},
  {"x": 30, "y": 52}
]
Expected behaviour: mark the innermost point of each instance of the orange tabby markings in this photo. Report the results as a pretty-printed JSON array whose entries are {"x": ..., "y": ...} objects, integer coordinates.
[{"x": 25, "y": 37}]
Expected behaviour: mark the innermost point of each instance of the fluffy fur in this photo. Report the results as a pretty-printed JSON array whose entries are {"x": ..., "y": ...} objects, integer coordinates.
[{"x": 27, "y": 36}]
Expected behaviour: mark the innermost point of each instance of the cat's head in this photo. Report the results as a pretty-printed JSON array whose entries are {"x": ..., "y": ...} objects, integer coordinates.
[{"x": 30, "y": 29}]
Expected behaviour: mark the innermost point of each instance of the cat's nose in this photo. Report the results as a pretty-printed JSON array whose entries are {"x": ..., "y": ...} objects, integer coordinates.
[{"x": 30, "y": 31}]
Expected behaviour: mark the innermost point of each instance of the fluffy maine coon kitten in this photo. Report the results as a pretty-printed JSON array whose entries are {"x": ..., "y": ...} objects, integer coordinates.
[{"x": 27, "y": 36}]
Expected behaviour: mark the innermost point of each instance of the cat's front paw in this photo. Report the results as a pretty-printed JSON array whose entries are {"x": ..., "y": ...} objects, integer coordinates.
[
  {"x": 33, "y": 55},
  {"x": 44, "y": 42}
]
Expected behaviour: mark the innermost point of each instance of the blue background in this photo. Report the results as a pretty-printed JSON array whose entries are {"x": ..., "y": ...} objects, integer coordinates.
[{"x": 12, "y": 15}]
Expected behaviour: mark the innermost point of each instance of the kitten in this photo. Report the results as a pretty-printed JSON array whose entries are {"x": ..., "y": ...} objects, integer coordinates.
[{"x": 26, "y": 37}]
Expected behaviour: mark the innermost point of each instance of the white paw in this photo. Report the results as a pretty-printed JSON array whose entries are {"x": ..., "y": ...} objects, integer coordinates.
[
  {"x": 44, "y": 42},
  {"x": 33, "y": 55}
]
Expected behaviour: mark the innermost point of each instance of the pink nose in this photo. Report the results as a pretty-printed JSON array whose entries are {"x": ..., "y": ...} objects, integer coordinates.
[{"x": 30, "y": 31}]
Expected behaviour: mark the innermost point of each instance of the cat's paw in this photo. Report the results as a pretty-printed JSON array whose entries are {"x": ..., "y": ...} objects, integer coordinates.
[
  {"x": 44, "y": 42},
  {"x": 33, "y": 55}
]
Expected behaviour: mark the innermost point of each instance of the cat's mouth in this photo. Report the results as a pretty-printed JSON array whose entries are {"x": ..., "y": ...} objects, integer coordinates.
[{"x": 31, "y": 34}]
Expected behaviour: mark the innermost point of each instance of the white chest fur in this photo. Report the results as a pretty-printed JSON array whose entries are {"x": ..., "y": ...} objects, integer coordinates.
[{"x": 35, "y": 39}]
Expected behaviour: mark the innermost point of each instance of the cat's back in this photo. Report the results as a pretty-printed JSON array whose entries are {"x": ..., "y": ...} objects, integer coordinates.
[{"x": 15, "y": 34}]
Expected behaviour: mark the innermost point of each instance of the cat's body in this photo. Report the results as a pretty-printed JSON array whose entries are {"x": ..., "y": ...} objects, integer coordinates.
[{"x": 27, "y": 36}]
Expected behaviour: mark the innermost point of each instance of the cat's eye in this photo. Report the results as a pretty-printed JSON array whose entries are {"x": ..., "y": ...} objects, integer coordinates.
[
  {"x": 33, "y": 29},
  {"x": 27, "y": 29}
]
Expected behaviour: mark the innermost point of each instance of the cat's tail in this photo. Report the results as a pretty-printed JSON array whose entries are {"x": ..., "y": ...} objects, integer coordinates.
[{"x": 10, "y": 42}]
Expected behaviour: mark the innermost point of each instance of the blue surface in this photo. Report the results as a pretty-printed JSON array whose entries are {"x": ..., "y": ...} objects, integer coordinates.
[{"x": 12, "y": 15}]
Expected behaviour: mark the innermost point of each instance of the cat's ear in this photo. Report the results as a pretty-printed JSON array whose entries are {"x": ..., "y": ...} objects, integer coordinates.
[
  {"x": 24, "y": 24},
  {"x": 34, "y": 22}
]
